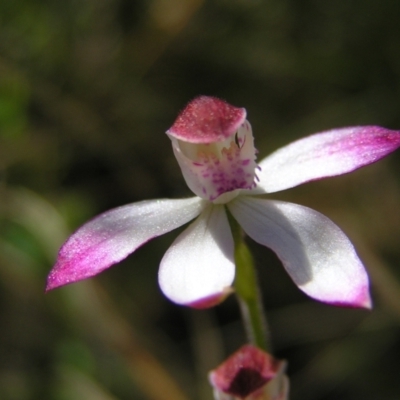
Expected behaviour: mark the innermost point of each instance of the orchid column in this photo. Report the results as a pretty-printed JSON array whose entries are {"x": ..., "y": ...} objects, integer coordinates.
[{"x": 214, "y": 146}]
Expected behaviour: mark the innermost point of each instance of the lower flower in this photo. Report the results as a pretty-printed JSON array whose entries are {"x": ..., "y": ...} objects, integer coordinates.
[{"x": 250, "y": 374}]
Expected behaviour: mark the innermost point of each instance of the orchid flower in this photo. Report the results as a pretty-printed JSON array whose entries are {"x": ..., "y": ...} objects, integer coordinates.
[
  {"x": 213, "y": 144},
  {"x": 250, "y": 374}
]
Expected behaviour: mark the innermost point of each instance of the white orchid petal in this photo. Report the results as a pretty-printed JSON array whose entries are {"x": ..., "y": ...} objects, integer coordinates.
[
  {"x": 325, "y": 154},
  {"x": 198, "y": 269},
  {"x": 315, "y": 252},
  {"x": 112, "y": 236}
]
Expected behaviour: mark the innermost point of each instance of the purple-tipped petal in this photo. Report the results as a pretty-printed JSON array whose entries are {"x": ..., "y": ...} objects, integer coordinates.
[
  {"x": 315, "y": 252},
  {"x": 199, "y": 265},
  {"x": 207, "y": 120},
  {"x": 325, "y": 154},
  {"x": 112, "y": 236}
]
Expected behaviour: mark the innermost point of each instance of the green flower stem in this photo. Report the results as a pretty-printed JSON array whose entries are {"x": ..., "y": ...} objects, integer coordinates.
[{"x": 247, "y": 291}]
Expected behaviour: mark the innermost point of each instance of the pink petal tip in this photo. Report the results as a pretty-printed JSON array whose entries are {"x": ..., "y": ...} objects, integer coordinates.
[
  {"x": 361, "y": 300},
  {"x": 83, "y": 256},
  {"x": 211, "y": 301}
]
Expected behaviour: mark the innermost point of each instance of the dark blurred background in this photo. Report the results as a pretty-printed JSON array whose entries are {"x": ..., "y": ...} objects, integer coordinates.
[{"x": 87, "y": 90}]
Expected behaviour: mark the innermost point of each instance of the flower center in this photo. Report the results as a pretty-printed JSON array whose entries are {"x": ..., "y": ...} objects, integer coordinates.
[{"x": 220, "y": 168}]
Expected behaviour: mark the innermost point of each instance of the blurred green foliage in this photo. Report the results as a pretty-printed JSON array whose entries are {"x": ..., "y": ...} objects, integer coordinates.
[{"x": 87, "y": 89}]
